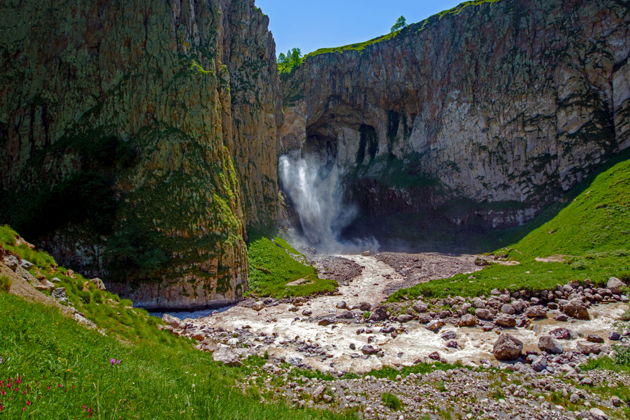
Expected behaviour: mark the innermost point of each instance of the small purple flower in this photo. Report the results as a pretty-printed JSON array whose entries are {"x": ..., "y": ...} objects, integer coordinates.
[{"x": 114, "y": 362}]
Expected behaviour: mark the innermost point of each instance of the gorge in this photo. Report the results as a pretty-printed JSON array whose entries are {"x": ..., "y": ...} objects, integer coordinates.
[{"x": 432, "y": 224}]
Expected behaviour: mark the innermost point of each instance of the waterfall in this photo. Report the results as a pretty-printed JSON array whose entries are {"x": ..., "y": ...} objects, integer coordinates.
[{"x": 316, "y": 190}]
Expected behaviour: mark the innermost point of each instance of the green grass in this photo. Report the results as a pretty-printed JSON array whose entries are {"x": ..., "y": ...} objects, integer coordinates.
[
  {"x": 593, "y": 232},
  {"x": 64, "y": 370},
  {"x": 273, "y": 263},
  {"x": 5, "y": 284},
  {"x": 619, "y": 363},
  {"x": 391, "y": 401},
  {"x": 8, "y": 241}
]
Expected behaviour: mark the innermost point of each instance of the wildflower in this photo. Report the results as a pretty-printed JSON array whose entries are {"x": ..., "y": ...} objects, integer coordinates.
[
  {"x": 28, "y": 402},
  {"x": 114, "y": 362},
  {"x": 1, "y": 408}
]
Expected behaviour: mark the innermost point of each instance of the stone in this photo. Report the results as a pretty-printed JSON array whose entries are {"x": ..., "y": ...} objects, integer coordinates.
[
  {"x": 539, "y": 364},
  {"x": 548, "y": 344},
  {"x": 616, "y": 401},
  {"x": 45, "y": 285},
  {"x": 452, "y": 344},
  {"x": 420, "y": 307},
  {"x": 226, "y": 355},
  {"x": 12, "y": 262},
  {"x": 325, "y": 322},
  {"x": 615, "y": 285},
  {"x": 508, "y": 309},
  {"x": 98, "y": 283},
  {"x": 435, "y": 356},
  {"x": 171, "y": 320},
  {"x": 561, "y": 333},
  {"x": 369, "y": 350},
  {"x": 576, "y": 309},
  {"x": 346, "y": 315},
  {"x": 467, "y": 320},
  {"x": 424, "y": 318},
  {"x": 593, "y": 338},
  {"x": 318, "y": 393},
  {"x": 435, "y": 325},
  {"x": 258, "y": 306},
  {"x": 507, "y": 348},
  {"x": 341, "y": 305},
  {"x": 307, "y": 312},
  {"x": 60, "y": 294},
  {"x": 536, "y": 311},
  {"x": 405, "y": 318},
  {"x": 365, "y": 306},
  {"x": 449, "y": 335},
  {"x": 478, "y": 303},
  {"x": 25, "y": 264},
  {"x": 379, "y": 314},
  {"x": 614, "y": 336},
  {"x": 598, "y": 414},
  {"x": 588, "y": 348},
  {"x": 505, "y": 321},
  {"x": 484, "y": 314},
  {"x": 561, "y": 318}
]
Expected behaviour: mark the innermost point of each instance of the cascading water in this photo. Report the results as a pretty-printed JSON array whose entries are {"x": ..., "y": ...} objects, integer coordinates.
[{"x": 316, "y": 191}]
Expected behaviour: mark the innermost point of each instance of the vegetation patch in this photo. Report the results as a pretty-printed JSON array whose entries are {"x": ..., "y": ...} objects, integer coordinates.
[
  {"x": 5, "y": 284},
  {"x": 274, "y": 264},
  {"x": 391, "y": 401},
  {"x": 593, "y": 232}
]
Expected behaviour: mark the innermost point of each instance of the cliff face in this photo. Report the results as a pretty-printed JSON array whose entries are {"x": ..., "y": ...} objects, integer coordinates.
[
  {"x": 498, "y": 106},
  {"x": 129, "y": 131}
]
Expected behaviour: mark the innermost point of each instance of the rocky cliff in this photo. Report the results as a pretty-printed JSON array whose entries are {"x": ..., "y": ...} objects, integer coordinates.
[
  {"x": 482, "y": 115},
  {"x": 138, "y": 138}
]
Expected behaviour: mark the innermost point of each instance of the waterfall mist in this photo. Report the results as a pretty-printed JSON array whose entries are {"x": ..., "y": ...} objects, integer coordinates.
[{"x": 316, "y": 191}]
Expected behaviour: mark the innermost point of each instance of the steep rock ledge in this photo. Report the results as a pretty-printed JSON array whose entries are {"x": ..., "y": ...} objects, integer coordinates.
[
  {"x": 128, "y": 131},
  {"x": 498, "y": 107}
]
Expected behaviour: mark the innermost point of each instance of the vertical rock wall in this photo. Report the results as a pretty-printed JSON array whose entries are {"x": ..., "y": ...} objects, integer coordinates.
[{"x": 128, "y": 130}]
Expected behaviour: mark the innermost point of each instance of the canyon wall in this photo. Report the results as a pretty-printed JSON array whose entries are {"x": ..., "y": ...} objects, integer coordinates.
[
  {"x": 138, "y": 139},
  {"x": 483, "y": 115}
]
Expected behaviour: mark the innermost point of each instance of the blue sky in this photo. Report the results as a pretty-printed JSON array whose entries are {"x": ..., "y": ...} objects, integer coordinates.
[{"x": 313, "y": 24}]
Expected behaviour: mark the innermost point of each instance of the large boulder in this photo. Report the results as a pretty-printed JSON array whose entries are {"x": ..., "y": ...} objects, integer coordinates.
[
  {"x": 615, "y": 285},
  {"x": 576, "y": 309},
  {"x": 484, "y": 314},
  {"x": 379, "y": 314},
  {"x": 548, "y": 344},
  {"x": 505, "y": 321},
  {"x": 536, "y": 311},
  {"x": 467, "y": 320},
  {"x": 507, "y": 348}
]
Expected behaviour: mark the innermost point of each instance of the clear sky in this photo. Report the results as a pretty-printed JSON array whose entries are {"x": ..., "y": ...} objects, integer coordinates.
[{"x": 313, "y": 24}]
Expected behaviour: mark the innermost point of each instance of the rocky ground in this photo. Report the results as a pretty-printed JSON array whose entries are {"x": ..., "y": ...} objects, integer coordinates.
[{"x": 521, "y": 350}]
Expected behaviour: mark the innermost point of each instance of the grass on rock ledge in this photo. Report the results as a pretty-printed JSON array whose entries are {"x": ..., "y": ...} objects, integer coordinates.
[
  {"x": 592, "y": 234},
  {"x": 274, "y": 264},
  {"x": 52, "y": 367}
]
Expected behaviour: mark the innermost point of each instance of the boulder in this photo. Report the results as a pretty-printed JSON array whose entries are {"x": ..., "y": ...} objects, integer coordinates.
[
  {"x": 588, "y": 348},
  {"x": 507, "y": 348},
  {"x": 258, "y": 306},
  {"x": 467, "y": 320},
  {"x": 548, "y": 344},
  {"x": 508, "y": 309},
  {"x": 576, "y": 309},
  {"x": 420, "y": 307},
  {"x": 342, "y": 305},
  {"x": 326, "y": 321},
  {"x": 26, "y": 264},
  {"x": 615, "y": 285},
  {"x": 561, "y": 334},
  {"x": 449, "y": 335},
  {"x": 452, "y": 344},
  {"x": 539, "y": 364},
  {"x": 226, "y": 355},
  {"x": 171, "y": 320},
  {"x": 484, "y": 314},
  {"x": 505, "y": 321},
  {"x": 12, "y": 262},
  {"x": 405, "y": 318},
  {"x": 425, "y": 318},
  {"x": 379, "y": 314},
  {"x": 365, "y": 306},
  {"x": 45, "y": 285},
  {"x": 536, "y": 311},
  {"x": 369, "y": 350},
  {"x": 594, "y": 338},
  {"x": 435, "y": 325},
  {"x": 435, "y": 356},
  {"x": 98, "y": 283},
  {"x": 614, "y": 336},
  {"x": 346, "y": 315}
]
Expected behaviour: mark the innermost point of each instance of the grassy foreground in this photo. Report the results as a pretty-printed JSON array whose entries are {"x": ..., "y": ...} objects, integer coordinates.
[
  {"x": 591, "y": 234},
  {"x": 51, "y": 367},
  {"x": 273, "y": 263}
]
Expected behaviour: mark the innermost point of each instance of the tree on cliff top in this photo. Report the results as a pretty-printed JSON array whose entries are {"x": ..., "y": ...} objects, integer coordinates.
[
  {"x": 400, "y": 24},
  {"x": 287, "y": 62}
]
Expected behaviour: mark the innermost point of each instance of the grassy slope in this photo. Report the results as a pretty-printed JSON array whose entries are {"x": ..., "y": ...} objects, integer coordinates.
[
  {"x": 593, "y": 231},
  {"x": 271, "y": 267},
  {"x": 161, "y": 376}
]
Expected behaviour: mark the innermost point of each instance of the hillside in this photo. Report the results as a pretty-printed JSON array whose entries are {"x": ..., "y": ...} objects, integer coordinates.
[{"x": 588, "y": 239}]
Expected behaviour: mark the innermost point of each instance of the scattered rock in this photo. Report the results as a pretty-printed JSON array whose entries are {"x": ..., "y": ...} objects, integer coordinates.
[
  {"x": 435, "y": 325},
  {"x": 25, "y": 264},
  {"x": 548, "y": 344},
  {"x": 598, "y": 414},
  {"x": 561, "y": 334},
  {"x": 365, "y": 306},
  {"x": 508, "y": 309},
  {"x": 615, "y": 285},
  {"x": 449, "y": 335},
  {"x": 484, "y": 314},
  {"x": 536, "y": 311},
  {"x": 452, "y": 344},
  {"x": 326, "y": 321},
  {"x": 226, "y": 355},
  {"x": 258, "y": 306},
  {"x": 45, "y": 285},
  {"x": 342, "y": 305},
  {"x": 434, "y": 356},
  {"x": 576, "y": 309},
  {"x": 98, "y": 283},
  {"x": 405, "y": 318},
  {"x": 171, "y": 320},
  {"x": 614, "y": 336},
  {"x": 369, "y": 350},
  {"x": 539, "y": 364},
  {"x": 379, "y": 314},
  {"x": 588, "y": 348},
  {"x": 346, "y": 315},
  {"x": 12, "y": 262},
  {"x": 467, "y": 320},
  {"x": 505, "y": 321},
  {"x": 307, "y": 312},
  {"x": 507, "y": 348},
  {"x": 420, "y": 307},
  {"x": 593, "y": 338}
]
